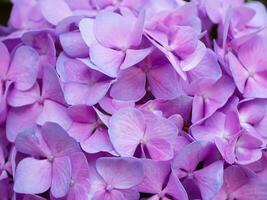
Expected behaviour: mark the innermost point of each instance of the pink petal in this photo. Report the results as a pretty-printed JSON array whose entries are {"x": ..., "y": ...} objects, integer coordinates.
[
  {"x": 160, "y": 149},
  {"x": 30, "y": 142},
  {"x": 82, "y": 113},
  {"x": 3, "y": 101},
  {"x": 248, "y": 149},
  {"x": 33, "y": 176},
  {"x": 60, "y": 65},
  {"x": 184, "y": 40},
  {"x": 107, "y": 22},
  {"x": 17, "y": 98},
  {"x": 155, "y": 175},
  {"x": 251, "y": 54},
  {"x": 256, "y": 86},
  {"x": 192, "y": 60},
  {"x": 227, "y": 24},
  {"x": 126, "y": 130},
  {"x": 5, "y": 59},
  {"x": 83, "y": 81},
  {"x": 130, "y": 85},
  {"x": 240, "y": 74},
  {"x": 189, "y": 157},
  {"x": 24, "y": 67},
  {"x": 97, "y": 142},
  {"x": 134, "y": 56},
  {"x": 113, "y": 195},
  {"x": 176, "y": 64},
  {"x": 234, "y": 178},
  {"x": 78, "y": 191},
  {"x": 215, "y": 96},
  {"x": 137, "y": 30},
  {"x": 255, "y": 190},
  {"x": 163, "y": 82},
  {"x": 33, "y": 197},
  {"x": 85, "y": 93},
  {"x": 79, "y": 167},
  {"x": 51, "y": 87},
  {"x": 81, "y": 131},
  {"x": 76, "y": 71},
  {"x": 214, "y": 127},
  {"x": 52, "y": 13},
  {"x": 198, "y": 111},
  {"x": 121, "y": 173},
  {"x": 248, "y": 107},
  {"x": 175, "y": 188},
  {"x": 214, "y": 14},
  {"x": 177, "y": 120},
  {"x": 20, "y": 119},
  {"x": 210, "y": 179},
  {"x": 58, "y": 141},
  {"x": 111, "y": 105},
  {"x": 54, "y": 112},
  {"x": 73, "y": 44},
  {"x": 227, "y": 148},
  {"x": 61, "y": 176},
  {"x": 208, "y": 68},
  {"x": 86, "y": 29},
  {"x": 106, "y": 60},
  {"x": 259, "y": 19},
  {"x": 161, "y": 128}
]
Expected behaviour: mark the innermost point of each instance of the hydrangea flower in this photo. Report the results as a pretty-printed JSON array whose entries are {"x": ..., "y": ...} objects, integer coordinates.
[
  {"x": 116, "y": 178},
  {"x": 133, "y": 99},
  {"x": 132, "y": 133},
  {"x": 53, "y": 168},
  {"x": 241, "y": 183},
  {"x": 200, "y": 181}
]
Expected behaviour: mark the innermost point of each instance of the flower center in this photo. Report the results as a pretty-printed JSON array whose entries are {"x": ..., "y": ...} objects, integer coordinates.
[
  {"x": 50, "y": 158},
  {"x": 161, "y": 194},
  {"x": 142, "y": 141},
  {"x": 225, "y": 135},
  {"x": 190, "y": 175},
  {"x": 251, "y": 74},
  {"x": 109, "y": 188},
  {"x": 71, "y": 182}
]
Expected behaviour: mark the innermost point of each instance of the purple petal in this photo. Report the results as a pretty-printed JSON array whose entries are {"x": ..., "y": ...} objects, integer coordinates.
[
  {"x": 52, "y": 13},
  {"x": 73, "y": 44},
  {"x": 24, "y": 67},
  {"x": 107, "y": 22},
  {"x": 58, "y": 140},
  {"x": 33, "y": 176},
  {"x": 20, "y": 119},
  {"x": 209, "y": 184},
  {"x": 61, "y": 176},
  {"x": 17, "y": 98},
  {"x": 163, "y": 82},
  {"x": 86, "y": 29},
  {"x": 189, "y": 157},
  {"x": 5, "y": 59},
  {"x": 106, "y": 60},
  {"x": 51, "y": 88},
  {"x": 54, "y": 112},
  {"x": 130, "y": 85},
  {"x": 97, "y": 142},
  {"x": 134, "y": 56},
  {"x": 126, "y": 130},
  {"x": 121, "y": 173}
]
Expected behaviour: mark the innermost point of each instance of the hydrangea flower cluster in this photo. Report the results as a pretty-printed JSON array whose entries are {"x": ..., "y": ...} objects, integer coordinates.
[{"x": 134, "y": 99}]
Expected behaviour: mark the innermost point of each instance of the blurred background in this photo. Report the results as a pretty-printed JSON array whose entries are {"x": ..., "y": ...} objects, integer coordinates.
[{"x": 5, "y": 8}]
